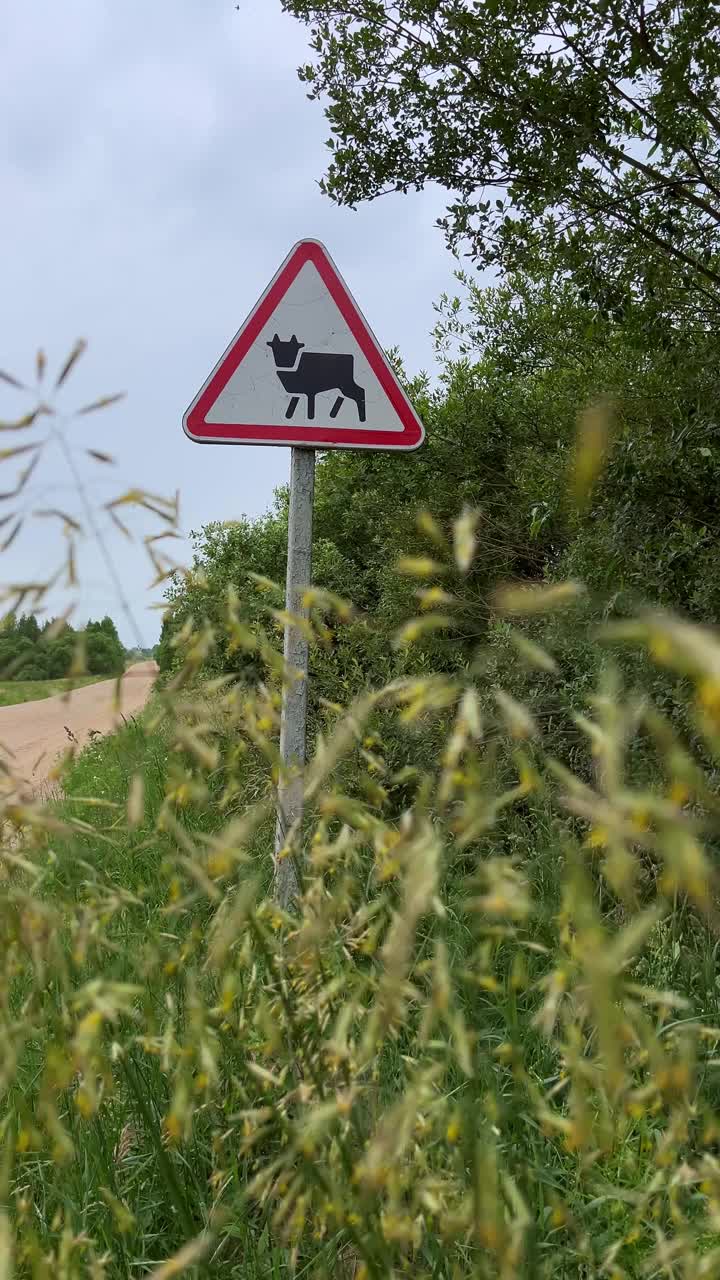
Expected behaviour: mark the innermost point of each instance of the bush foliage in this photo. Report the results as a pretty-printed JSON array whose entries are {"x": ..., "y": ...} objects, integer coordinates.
[{"x": 29, "y": 651}]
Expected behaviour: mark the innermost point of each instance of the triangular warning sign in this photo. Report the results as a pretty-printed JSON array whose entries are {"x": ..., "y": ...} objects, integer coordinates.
[{"x": 305, "y": 369}]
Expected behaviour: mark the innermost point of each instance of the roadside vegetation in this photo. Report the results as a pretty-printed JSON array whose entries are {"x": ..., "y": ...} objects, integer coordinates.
[
  {"x": 13, "y": 692},
  {"x": 34, "y": 651},
  {"x": 485, "y": 1042}
]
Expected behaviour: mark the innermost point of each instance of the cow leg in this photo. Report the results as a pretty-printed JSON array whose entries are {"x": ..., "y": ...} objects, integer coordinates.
[
  {"x": 292, "y": 406},
  {"x": 337, "y": 407},
  {"x": 311, "y": 406},
  {"x": 358, "y": 396}
]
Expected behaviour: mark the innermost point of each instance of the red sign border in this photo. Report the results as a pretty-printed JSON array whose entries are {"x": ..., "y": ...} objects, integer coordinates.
[{"x": 202, "y": 432}]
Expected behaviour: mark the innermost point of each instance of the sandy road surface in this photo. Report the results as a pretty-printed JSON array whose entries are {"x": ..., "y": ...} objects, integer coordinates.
[{"x": 33, "y": 734}]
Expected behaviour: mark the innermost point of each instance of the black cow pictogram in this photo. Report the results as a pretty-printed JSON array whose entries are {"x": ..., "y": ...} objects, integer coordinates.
[{"x": 313, "y": 373}]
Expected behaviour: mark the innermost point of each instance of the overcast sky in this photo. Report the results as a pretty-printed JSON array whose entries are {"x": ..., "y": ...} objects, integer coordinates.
[{"x": 158, "y": 159}]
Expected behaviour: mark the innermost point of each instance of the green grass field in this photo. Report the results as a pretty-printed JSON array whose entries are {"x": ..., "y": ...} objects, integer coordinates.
[{"x": 14, "y": 691}]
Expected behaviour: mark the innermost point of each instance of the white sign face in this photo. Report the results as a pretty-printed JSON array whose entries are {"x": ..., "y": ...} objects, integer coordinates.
[{"x": 305, "y": 369}]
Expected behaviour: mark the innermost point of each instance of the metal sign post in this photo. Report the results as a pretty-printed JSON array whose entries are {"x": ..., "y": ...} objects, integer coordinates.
[{"x": 295, "y": 690}]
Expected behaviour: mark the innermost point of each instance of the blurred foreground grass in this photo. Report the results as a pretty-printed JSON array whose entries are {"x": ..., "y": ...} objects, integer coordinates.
[{"x": 485, "y": 1044}]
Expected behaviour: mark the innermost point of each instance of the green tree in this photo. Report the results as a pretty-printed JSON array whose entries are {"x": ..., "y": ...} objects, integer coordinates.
[
  {"x": 66, "y": 628},
  {"x": 27, "y": 625},
  {"x": 224, "y": 557},
  {"x": 104, "y": 651},
  {"x": 15, "y": 651},
  {"x": 541, "y": 354},
  {"x": 103, "y": 655},
  {"x": 60, "y": 655},
  {"x": 583, "y": 131},
  {"x": 35, "y": 666},
  {"x": 106, "y": 626}
]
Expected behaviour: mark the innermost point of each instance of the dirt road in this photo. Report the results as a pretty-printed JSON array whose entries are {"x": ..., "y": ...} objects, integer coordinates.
[{"x": 33, "y": 734}]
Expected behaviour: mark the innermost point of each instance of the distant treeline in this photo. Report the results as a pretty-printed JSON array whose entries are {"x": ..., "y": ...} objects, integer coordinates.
[{"x": 30, "y": 650}]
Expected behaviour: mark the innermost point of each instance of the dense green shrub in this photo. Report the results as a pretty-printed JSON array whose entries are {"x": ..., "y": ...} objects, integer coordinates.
[{"x": 31, "y": 652}]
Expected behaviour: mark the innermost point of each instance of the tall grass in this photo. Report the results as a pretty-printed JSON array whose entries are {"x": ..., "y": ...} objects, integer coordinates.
[{"x": 484, "y": 1042}]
